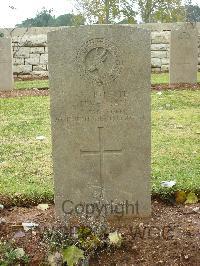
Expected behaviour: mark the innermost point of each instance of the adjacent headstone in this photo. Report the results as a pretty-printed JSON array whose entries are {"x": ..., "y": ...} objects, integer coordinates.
[
  {"x": 184, "y": 54},
  {"x": 6, "y": 66},
  {"x": 100, "y": 110}
]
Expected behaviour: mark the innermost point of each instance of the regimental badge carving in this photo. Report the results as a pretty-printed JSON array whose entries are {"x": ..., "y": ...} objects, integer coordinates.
[{"x": 99, "y": 61}]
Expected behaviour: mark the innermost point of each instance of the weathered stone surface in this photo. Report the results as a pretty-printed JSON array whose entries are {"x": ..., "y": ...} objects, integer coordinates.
[
  {"x": 6, "y": 65},
  {"x": 165, "y": 68},
  {"x": 18, "y": 61},
  {"x": 160, "y": 37},
  {"x": 33, "y": 60},
  {"x": 44, "y": 59},
  {"x": 184, "y": 54},
  {"x": 160, "y": 47},
  {"x": 22, "y": 52},
  {"x": 155, "y": 62},
  {"x": 158, "y": 54},
  {"x": 40, "y": 68},
  {"x": 100, "y": 110},
  {"x": 165, "y": 61},
  {"x": 40, "y": 73},
  {"x": 37, "y": 50},
  {"x": 155, "y": 69},
  {"x": 22, "y": 69},
  {"x": 34, "y": 40}
]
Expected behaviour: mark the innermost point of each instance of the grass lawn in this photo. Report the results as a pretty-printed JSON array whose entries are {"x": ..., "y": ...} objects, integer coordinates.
[
  {"x": 26, "y": 163},
  {"x": 31, "y": 84},
  {"x": 155, "y": 78},
  {"x": 164, "y": 78}
]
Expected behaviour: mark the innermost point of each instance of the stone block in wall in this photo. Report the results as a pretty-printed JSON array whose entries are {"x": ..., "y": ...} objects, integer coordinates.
[
  {"x": 155, "y": 62},
  {"x": 165, "y": 61},
  {"x": 159, "y": 54},
  {"x": 33, "y": 60},
  {"x": 34, "y": 40},
  {"x": 37, "y": 50},
  {"x": 22, "y": 69},
  {"x": 40, "y": 73},
  {"x": 46, "y": 50},
  {"x": 22, "y": 52},
  {"x": 165, "y": 68},
  {"x": 44, "y": 59},
  {"x": 18, "y": 61},
  {"x": 160, "y": 37},
  {"x": 156, "y": 70},
  {"x": 160, "y": 47},
  {"x": 40, "y": 68}
]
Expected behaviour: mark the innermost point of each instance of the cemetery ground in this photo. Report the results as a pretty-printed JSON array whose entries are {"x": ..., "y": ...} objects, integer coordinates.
[{"x": 26, "y": 180}]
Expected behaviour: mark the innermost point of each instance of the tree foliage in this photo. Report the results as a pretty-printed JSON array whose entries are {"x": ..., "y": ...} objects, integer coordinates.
[
  {"x": 118, "y": 11},
  {"x": 161, "y": 10},
  {"x": 112, "y": 11},
  {"x": 107, "y": 11},
  {"x": 192, "y": 13},
  {"x": 69, "y": 20},
  {"x": 169, "y": 11},
  {"x": 45, "y": 18}
]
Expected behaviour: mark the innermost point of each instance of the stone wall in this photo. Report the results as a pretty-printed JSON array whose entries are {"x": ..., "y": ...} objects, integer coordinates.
[
  {"x": 30, "y": 51},
  {"x": 30, "y": 55}
]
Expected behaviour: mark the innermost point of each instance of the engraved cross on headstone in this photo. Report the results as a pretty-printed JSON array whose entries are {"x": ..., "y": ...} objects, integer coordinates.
[{"x": 101, "y": 152}]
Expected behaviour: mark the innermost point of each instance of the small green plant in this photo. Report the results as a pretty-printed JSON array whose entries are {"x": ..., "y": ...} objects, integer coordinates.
[
  {"x": 1, "y": 34},
  {"x": 88, "y": 240},
  {"x": 74, "y": 244},
  {"x": 72, "y": 255},
  {"x": 12, "y": 256}
]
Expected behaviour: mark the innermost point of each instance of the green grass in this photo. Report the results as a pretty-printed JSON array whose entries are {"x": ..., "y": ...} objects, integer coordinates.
[
  {"x": 155, "y": 79},
  {"x": 175, "y": 139},
  {"x": 164, "y": 78},
  {"x": 31, "y": 84},
  {"x": 26, "y": 163}
]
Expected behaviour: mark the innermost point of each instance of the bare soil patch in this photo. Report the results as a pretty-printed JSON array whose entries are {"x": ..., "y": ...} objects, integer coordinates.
[
  {"x": 181, "y": 86},
  {"x": 23, "y": 93},
  {"x": 170, "y": 237}
]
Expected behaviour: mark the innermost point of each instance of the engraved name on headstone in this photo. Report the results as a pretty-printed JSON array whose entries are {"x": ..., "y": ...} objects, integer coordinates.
[{"x": 100, "y": 112}]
